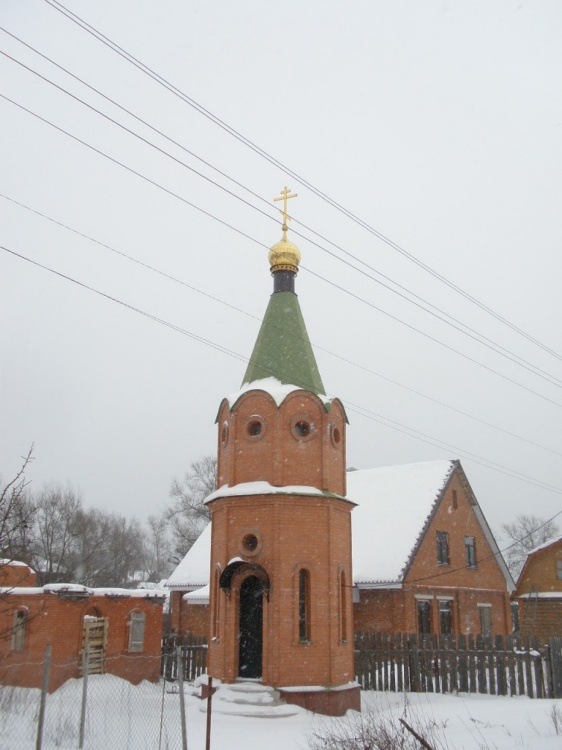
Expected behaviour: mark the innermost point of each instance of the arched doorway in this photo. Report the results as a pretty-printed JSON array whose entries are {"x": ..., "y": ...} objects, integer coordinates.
[
  {"x": 250, "y": 630},
  {"x": 252, "y": 584}
]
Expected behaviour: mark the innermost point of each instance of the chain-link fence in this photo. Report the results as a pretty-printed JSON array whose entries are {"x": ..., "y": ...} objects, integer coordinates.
[{"x": 96, "y": 712}]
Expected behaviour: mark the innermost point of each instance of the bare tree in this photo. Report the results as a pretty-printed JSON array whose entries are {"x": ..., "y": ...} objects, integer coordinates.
[
  {"x": 16, "y": 514},
  {"x": 56, "y": 533},
  {"x": 188, "y": 515},
  {"x": 523, "y": 535},
  {"x": 158, "y": 548}
]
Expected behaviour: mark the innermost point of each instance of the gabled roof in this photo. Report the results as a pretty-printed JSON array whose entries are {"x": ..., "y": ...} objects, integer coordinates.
[
  {"x": 528, "y": 560},
  {"x": 548, "y": 543},
  {"x": 193, "y": 570},
  {"x": 283, "y": 349},
  {"x": 394, "y": 504}
]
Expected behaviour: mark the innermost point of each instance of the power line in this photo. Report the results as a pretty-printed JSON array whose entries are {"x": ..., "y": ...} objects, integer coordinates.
[
  {"x": 261, "y": 152},
  {"x": 434, "y": 311},
  {"x": 207, "y": 342},
  {"x": 261, "y": 244},
  {"x": 482, "y": 560},
  {"x": 255, "y": 317}
]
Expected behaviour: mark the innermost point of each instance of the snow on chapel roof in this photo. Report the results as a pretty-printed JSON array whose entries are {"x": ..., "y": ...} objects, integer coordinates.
[{"x": 393, "y": 505}]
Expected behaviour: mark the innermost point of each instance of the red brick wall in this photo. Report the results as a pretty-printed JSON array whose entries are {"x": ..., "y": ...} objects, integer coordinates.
[
  {"x": 16, "y": 575},
  {"x": 277, "y": 455},
  {"x": 293, "y": 532},
  {"x": 59, "y": 622},
  {"x": 541, "y": 617}
]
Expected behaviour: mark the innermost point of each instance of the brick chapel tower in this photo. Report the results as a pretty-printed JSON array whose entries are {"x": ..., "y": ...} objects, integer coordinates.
[{"x": 280, "y": 599}]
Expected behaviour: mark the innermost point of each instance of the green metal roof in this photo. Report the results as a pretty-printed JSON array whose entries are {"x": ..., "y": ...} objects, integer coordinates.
[{"x": 283, "y": 349}]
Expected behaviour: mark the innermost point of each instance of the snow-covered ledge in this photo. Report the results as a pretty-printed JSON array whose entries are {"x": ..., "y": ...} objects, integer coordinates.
[{"x": 264, "y": 488}]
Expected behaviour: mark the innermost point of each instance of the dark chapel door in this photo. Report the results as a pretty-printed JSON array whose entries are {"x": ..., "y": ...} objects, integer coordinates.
[{"x": 250, "y": 635}]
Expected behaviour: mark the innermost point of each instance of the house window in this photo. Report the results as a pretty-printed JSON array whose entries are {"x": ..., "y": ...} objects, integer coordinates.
[
  {"x": 136, "y": 632},
  {"x": 19, "y": 628},
  {"x": 446, "y": 617},
  {"x": 304, "y": 606},
  {"x": 424, "y": 616},
  {"x": 485, "y": 620},
  {"x": 455, "y": 500},
  {"x": 442, "y": 548},
  {"x": 559, "y": 569},
  {"x": 470, "y": 549}
]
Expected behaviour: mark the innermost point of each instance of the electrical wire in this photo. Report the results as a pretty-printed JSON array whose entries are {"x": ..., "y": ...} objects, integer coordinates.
[
  {"x": 224, "y": 350},
  {"x": 261, "y": 244},
  {"x": 261, "y": 152},
  {"x": 433, "y": 311},
  {"x": 255, "y": 317}
]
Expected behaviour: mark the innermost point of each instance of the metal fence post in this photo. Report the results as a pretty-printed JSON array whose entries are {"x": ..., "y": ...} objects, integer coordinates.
[
  {"x": 182, "y": 699},
  {"x": 85, "y": 672},
  {"x": 44, "y": 686},
  {"x": 209, "y": 709}
]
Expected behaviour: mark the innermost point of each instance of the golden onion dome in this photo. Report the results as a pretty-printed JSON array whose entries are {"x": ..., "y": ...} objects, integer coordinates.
[{"x": 284, "y": 256}]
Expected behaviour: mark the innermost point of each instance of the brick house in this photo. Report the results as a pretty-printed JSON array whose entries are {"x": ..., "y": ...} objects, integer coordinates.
[
  {"x": 123, "y": 629},
  {"x": 424, "y": 558},
  {"x": 539, "y": 591}
]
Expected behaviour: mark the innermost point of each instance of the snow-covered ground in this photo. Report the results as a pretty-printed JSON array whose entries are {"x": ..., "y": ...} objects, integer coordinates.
[{"x": 121, "y": 716}]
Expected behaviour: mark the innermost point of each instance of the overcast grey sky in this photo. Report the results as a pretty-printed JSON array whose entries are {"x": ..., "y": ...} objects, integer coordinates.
[{"x": 438, "y": 124}]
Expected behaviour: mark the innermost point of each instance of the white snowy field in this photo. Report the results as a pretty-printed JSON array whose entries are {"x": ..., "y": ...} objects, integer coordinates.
[{"x": 121, "y": 716}]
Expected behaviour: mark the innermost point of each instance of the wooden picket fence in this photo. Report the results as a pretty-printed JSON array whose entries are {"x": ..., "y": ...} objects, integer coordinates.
[
  {"x": 503, "y": 665},
  {"x": 193, "y": 657}
]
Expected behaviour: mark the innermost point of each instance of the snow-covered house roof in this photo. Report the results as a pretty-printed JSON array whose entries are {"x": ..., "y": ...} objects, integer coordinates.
[
  {"x": 394, "y": 507},
  {"x": 193, "y": 570},
  {"x": 548, "y": 543},
  {"x": 394, "y": 504}
]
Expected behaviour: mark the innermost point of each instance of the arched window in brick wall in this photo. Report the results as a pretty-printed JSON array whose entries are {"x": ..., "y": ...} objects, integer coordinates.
[
  {"x": 136, "y": 631},
  {"x": 216, "y": 604},
  {"x": 19, "y": 628},
  {"x": 304, "y": 606}
]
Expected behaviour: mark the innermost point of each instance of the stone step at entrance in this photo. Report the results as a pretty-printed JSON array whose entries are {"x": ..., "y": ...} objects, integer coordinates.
[{"x": 249, "y": 698}]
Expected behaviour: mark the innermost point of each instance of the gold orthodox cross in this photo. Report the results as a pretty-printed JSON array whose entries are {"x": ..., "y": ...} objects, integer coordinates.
[{"x": 285, "y": 196}]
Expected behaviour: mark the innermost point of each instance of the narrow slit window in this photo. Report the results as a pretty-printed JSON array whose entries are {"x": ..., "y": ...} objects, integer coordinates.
[
  {"x": 304, "y": 606},
  {"x": 343, "y": 609},
  {"x": 470, "y": 548}
]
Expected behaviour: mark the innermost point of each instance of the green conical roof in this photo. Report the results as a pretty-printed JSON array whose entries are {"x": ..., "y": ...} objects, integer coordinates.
[{"x": 283, "y": 349}]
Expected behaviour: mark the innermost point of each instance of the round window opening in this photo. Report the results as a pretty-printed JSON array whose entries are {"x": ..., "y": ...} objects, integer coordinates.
[
  {"x": 250, "y": 542},
  {"x": 302, "y": 428},
  {"x": 336, "y": 436},
  {"x": 254, "y": 428}
]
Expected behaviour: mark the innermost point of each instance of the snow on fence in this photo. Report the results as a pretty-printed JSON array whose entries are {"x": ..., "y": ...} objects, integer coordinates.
[{"x": 504, "y": 665}]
